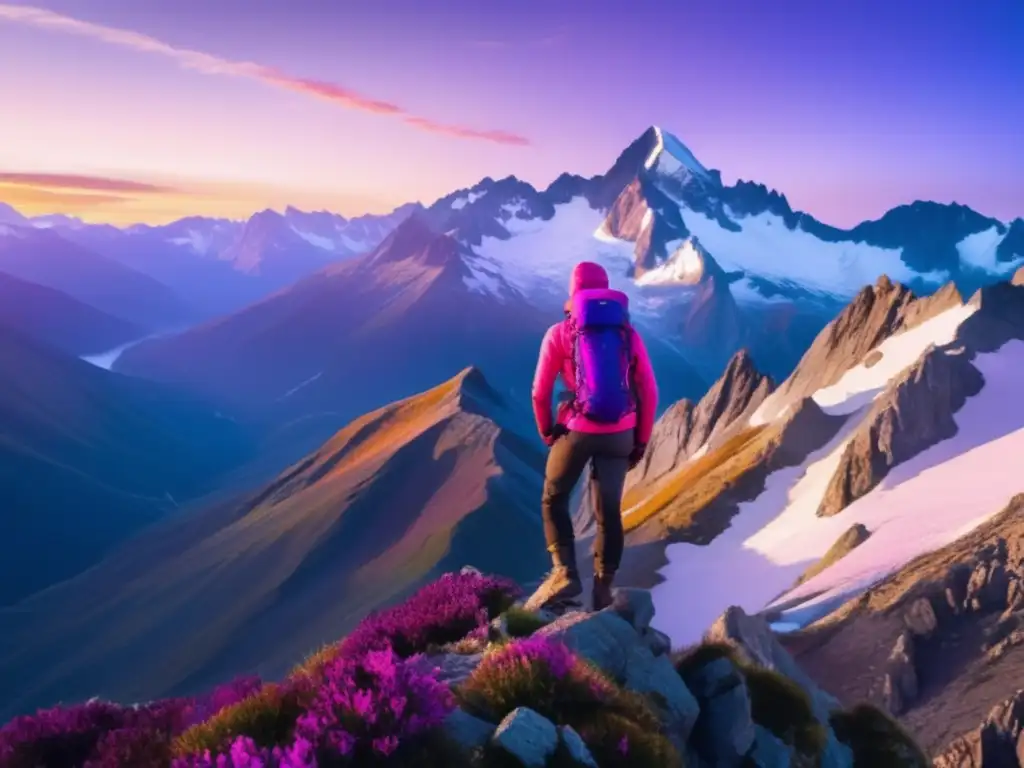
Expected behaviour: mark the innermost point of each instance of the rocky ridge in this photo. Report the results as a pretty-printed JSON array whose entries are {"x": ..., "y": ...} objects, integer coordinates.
[
  {"x": 877, "y": 312},
  {"x": 685, "y": 428},
  {"x": 711, "y": 700},
  {"x": 936, "y": 644},
  {"x": 914, "y": 413}
]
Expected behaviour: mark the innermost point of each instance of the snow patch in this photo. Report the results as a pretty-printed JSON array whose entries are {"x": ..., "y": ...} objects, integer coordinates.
[
  {"x": 766, "y": 247},
  {"x": 199, "y": 242},
  {"x": 481, "y": 281},
  {"x": 922, "y": 505},
  {"x": 685, "y": 265},
  {"x": 860, "y": 385},
  {"x": 979, "y": 251},
  {"x": 538, "y": 258},
  {"x": 461, "y": 202},
  {"x": 940, "y": 494},
  {"x": 319, "y": 241},
  {"x": 731, "y": 570},
  {"x": 745, "y": 292}
]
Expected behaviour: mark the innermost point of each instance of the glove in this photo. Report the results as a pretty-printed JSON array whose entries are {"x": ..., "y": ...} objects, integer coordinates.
[
  {"x": 557, "y": 431},
  {"x": 637, "y": 454}
]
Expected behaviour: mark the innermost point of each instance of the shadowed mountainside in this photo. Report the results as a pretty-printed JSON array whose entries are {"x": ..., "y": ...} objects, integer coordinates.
[
  {"x": 88, "y": 457},
  {"x": 394, "y": 499}
]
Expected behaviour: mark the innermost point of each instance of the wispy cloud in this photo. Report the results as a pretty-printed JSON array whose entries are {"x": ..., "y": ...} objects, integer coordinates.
[
  {"x": 214, "y": 65},
  {"x": 34, "y": 200},
  {"x": 74, "y": 181}
]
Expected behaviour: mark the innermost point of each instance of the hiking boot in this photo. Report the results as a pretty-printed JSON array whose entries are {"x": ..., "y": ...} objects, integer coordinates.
[
  {"x": 601, "y": 595},
  {"x": 561, "y": 585}
]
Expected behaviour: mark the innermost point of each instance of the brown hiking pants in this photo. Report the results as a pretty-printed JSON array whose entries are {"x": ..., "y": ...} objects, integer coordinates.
[{"x": 609, "y": 455}]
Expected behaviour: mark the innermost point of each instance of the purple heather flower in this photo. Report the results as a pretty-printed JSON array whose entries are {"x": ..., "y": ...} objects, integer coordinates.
[
  {"x": 624, "y": 745},
  {"x": 533, "y": 650}
]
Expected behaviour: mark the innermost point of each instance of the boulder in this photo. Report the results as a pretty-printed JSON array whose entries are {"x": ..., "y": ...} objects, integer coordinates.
[
  {"x": 635, "y": 606},
  {"x": 577, "y": 750},
  {"x": 900, "y": 684},
  {"x": 1014, "y": 595},
  {"x": 467, "y": 731},
  {"x": 955, "y": 586},
  {"x": 752, "y": 636},
  {"x": 725, "y": 732},
  {"x": 998, "y": 742},
  {"x": 920, "y": 618},
  {"x": 987, "y": 587},
  {"x": 769, "y": 751},
  {"x": 836, "y": 754},
  {"x": 650, "y": 674},
  {"x": 604, "y": 639},
  {"x": 658, "y": 642},
  {"x": 528, "y": 736}
]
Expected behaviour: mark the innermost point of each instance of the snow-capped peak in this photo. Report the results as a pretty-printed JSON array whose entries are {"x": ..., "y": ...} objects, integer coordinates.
[
  {"x": 685, "y": 266},
  {"x": 672, "y": 158}
]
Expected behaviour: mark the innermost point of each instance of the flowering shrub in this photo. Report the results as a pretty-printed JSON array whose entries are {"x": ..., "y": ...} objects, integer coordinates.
[
  {"x": 443, "y": 611},
  {"x": 369, "y": 708},
  {"x": 536, "y": 673},
  {"x": 244, "y": 753},
  {"x": 267, "y": 716},
  {"x": 89, "y": 734},
  {"x": 104, "y": 735},
  {"x": 360, "y": 702},
  {"x": 619, "y": 727}
]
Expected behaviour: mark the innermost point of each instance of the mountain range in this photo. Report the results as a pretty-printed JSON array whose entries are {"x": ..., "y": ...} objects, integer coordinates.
[{"x": 301, "y": 418}]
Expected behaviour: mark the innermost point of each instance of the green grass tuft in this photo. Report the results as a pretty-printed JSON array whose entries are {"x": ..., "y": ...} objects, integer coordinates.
[
  {"x": 691, "y": 659},
  {"x": 268, "y": 717},
  {"x": 876, "y": 739},
  {"x": 523, "y": 623},
  {"x": 784, "y": 708},
  {"x": 601, "y": 712}
]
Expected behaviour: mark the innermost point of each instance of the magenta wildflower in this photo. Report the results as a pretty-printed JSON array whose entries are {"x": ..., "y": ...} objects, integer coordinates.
[
  {"x": 245, "y": 753},
  {"x": 529, "y": 651},
  {"x": 624, "y": 745},
  {"x": 443, "y": 611},
  {"x": 371, "y": 705}
]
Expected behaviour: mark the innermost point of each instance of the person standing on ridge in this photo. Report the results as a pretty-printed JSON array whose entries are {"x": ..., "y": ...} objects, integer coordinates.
[{"x": 606, "y": 421}]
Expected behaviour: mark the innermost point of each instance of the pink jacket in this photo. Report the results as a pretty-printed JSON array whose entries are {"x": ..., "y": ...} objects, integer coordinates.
[{"x": 556, "y": 358}]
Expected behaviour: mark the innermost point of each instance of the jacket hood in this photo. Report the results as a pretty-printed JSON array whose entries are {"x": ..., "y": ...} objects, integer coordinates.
[{"x": 587, "y": 276}]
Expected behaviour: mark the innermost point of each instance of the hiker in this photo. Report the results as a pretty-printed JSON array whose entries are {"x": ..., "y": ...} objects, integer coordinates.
[{"x": 605, "y": 420}]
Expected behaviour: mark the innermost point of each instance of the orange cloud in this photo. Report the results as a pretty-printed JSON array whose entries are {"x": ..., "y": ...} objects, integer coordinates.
[
  {"x": 214, "y": 65},
  {"x": 73, "y": 181},
  {"x": 33, "y": 201}
]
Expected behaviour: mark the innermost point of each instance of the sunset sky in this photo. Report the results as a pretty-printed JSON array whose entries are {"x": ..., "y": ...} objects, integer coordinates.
[{"x": 148, "y": 110}]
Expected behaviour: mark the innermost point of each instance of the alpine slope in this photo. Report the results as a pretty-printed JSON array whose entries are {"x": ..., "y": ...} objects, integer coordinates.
[{"x": 896, "y": 434}]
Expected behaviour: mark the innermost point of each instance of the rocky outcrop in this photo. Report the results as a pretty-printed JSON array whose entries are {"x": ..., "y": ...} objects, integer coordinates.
[
  {"x": 1018, "y": 276},
  {"x": 712, "y": 324},
  {"x": 914, "y": 413},
  {"x": 643, "y": 215},
  {"x": 876, "y": 313},
  {"x": 996, "y": 743},
  {"x": 854, "y": 536},
  {"x": 684, "y": 428},
  {"x": 754, "y": 639},
  {"x": 711, "y": 702},
  {"x": 900, "y": 686}
]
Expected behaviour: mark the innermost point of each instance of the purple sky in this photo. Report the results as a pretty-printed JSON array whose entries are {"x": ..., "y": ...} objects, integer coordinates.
[{"x": 849, "y": 108}]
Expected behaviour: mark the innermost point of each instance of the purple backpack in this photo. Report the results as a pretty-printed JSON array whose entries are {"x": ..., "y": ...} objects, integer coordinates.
[{"x": 602, "y": 356}]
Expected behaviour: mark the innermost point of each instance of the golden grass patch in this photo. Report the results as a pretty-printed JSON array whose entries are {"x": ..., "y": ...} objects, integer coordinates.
[{"x": 700, "y": 481}]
